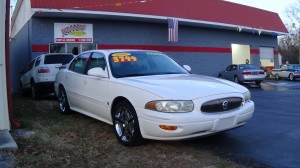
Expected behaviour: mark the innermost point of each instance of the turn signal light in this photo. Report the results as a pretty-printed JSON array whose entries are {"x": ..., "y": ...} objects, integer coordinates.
[
  {"x": 247, "y": 73},
  {"x": 168, "y": 127}
]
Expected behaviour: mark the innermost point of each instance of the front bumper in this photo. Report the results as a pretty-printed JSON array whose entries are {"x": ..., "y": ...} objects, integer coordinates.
[{"x": 192, "y": 124}]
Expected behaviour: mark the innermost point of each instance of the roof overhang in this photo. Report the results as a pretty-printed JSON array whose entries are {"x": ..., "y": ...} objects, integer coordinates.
[{"x": 64, "y": 13}]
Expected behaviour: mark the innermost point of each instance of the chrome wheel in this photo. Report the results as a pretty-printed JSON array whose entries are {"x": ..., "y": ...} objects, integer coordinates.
[
  {"x": 126, "y": 125},
  {"x": 63, "y": 103},
  {"x": 291, "y": 76},
  {"x": 236, "y": 79},
  {"x": 277, "y": 76}
]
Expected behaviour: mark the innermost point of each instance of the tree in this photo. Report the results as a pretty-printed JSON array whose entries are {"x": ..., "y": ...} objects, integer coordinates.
[{"x": 289, "y": 44}]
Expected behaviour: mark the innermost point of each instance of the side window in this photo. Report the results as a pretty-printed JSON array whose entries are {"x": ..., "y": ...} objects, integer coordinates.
[
  {"x": 229, "y": 68},
  {"x": 78, "y": 65},
  {"x": 283, "y": 67},
  {"x": 97, "y": 60},
  {"x": 38, "y": 61},
  {"x": 30, "y": 66},
  {"x": 234, "y": 67}
]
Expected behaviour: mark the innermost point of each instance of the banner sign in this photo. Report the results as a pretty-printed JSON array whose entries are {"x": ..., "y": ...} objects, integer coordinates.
[{"x": 73, "y": 33}]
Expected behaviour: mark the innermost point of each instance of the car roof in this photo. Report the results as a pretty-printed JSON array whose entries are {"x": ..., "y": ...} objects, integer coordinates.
[
  {"x": 57, "y": 54},
  {"x": 118, "y": 50}
]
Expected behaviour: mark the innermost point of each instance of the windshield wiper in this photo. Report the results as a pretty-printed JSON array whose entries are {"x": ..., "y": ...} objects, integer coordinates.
[{"x": 132, "y": 75}]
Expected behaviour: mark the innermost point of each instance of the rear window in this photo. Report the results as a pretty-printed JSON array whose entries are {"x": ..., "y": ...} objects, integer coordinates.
[
  {"x": 58, "y": 59},
  {"x": 247, "y": 66}
]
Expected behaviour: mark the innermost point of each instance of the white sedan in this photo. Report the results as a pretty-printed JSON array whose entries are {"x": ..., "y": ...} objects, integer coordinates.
[{"x": 147, "y": 95}]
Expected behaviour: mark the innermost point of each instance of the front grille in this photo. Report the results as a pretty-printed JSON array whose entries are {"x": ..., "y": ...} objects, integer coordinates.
[{"x": 222, "y": 105}]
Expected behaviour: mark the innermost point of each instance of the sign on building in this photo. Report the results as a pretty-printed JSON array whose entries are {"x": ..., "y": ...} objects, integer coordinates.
[{"x": 73, "y": 33}]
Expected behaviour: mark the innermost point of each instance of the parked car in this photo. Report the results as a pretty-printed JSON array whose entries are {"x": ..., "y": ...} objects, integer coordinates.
[
  {"x": 147, "y": 95},
  {"x": 289, "y": 71},
  {"x": 40, "y": 75},
  {"x": 240, "y": 73}
]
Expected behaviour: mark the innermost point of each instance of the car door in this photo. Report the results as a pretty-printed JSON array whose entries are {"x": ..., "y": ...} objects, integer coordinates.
[
  {"x": 283, "y": 73},
  {"x": 74, "y": 81},
  {"x": 95, "y": 88},
  {"x": 228, "y": 73},
  {"x": 27, "y": 75}
]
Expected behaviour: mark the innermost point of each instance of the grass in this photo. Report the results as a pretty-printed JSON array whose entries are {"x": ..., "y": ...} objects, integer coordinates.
[{"x": 79, "y": 141}]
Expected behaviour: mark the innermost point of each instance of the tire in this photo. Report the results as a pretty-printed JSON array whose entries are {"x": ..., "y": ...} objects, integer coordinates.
[
  {"x": 126, "y": 124},
  {"x": 277, "y": 77},
  {"x": 221, "y": 76},
  {"x": 236, "y": 80},
  {"x": 291, "y": 77},
  {"x": 63, "y": 103},
  {"x": 35, "y": 95},
  {"x": 22, "y": 91}
]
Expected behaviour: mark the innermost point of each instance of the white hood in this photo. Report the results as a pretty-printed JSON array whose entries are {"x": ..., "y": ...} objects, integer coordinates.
[{"x": 183, "y": 86}]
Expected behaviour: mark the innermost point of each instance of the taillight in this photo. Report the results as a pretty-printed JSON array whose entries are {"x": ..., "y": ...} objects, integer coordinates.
[
  {"x": 246, "y": 73},
  {"x": 43, "y": 70},
  {"x": 261, "y": 72}
]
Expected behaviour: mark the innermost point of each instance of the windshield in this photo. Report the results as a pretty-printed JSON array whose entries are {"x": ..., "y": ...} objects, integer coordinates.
[
  {"x": 142, "y": 63},
  {"x": 294, "y": 66}
]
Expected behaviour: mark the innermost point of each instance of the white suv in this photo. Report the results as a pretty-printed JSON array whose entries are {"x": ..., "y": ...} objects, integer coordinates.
[{"x": 41, "y": 73}]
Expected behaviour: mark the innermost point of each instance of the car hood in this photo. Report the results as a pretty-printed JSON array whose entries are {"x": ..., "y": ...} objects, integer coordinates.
[{"x": 183, "y": 86}]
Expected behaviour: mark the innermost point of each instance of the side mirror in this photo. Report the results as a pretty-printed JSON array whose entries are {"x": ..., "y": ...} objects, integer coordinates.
[
  {"x": 98, "y": 72},
  {"x": 188, "y": 68}
]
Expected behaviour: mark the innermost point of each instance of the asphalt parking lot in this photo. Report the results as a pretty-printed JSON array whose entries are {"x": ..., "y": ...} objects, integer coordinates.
[{"x": 272, "y": 137}]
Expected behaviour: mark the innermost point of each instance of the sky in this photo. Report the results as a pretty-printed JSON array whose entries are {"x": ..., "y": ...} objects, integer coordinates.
[{"x": 277, "y": 6}]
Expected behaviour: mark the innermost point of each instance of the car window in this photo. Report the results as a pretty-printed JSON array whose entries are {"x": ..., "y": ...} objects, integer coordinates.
[
  {"x": 229, "y": 68},
  {"x": 234, "y": 67},
  {"x": 96, "y": 60},
  {"x": 78, "y": 64},
  {"x": 58, "y": 59},
  {"x": 247, "y": 66},
  {"x": 141, "y": 63},
  {"x": 30, "y": 66},
  {"x": 38, "y": 61},
  {"x": 283, "y": 67}
]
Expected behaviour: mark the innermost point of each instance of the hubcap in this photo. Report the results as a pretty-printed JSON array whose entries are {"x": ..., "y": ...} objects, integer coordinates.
[
  {"x": 124, "y": 124},
  {"x": 291, "y": 77},
  {"x": 62, "y": 101}
]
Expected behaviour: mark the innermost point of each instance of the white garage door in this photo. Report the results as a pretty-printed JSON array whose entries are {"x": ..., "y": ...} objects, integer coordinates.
[
  {"x": 266, "y": 56},
  {"x": 266, "y": 53}
]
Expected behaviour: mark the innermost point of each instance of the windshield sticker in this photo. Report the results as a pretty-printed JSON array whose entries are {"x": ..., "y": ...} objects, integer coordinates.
[
  {"x": 117, "y": 59},
  {"x": 121, "y": 54},
  {"x": 154, "y": 53}
]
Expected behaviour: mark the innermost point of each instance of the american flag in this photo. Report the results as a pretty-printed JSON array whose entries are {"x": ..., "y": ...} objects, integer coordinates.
[{"x": 173, "y": 30}]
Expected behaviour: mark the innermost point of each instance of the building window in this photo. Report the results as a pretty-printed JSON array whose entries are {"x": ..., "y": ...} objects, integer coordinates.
[
  {"x": 69, "y": 47},
  {"x": 57, "y": 48}
]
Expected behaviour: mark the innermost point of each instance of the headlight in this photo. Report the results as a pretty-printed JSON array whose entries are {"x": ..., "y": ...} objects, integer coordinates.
[
  {"x": 170, "y": 106},
  {"x": 247, "y": 96}
]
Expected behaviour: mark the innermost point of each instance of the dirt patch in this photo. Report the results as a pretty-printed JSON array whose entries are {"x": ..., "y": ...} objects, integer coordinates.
[{"x": 50, "y": 139}]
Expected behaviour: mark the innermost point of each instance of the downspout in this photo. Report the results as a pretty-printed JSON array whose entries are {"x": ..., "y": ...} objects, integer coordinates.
[{"x": 14, "y": 123}]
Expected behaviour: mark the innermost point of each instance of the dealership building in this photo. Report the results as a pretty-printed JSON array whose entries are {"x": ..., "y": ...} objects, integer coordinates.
[{"x": 212, "y": 34}]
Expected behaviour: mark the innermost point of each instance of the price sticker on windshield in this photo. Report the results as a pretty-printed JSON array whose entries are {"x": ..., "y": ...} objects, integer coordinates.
[{"x": 123, "y": 58}]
